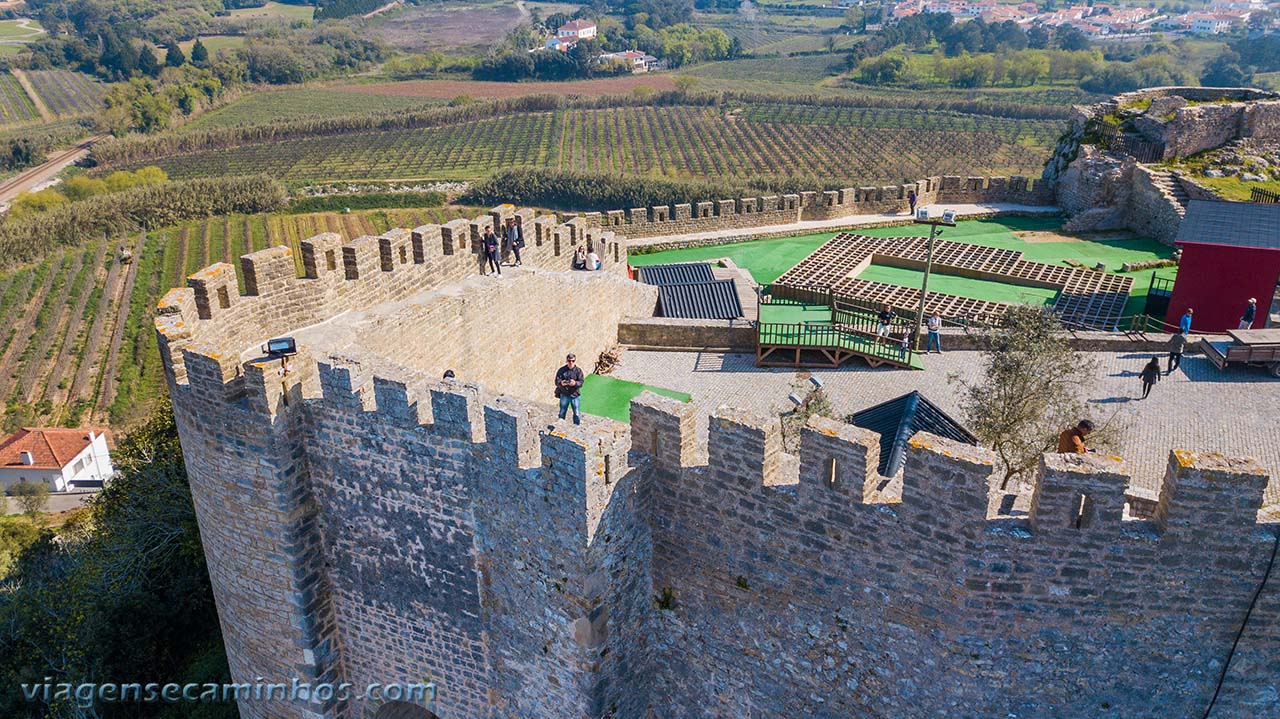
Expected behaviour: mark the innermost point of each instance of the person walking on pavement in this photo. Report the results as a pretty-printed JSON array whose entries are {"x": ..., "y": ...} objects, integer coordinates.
[
  {"x": 934, "y": 325},
  {"x": 492, "y": 264},
  {"x": 1071, "y": 441},
  {"x": 515, "y": 237},
  {"x": 1177, "y": 344},
  {"x": 1150, "y": 375},
  {"x": 1250, "y": 312},
  {"x": 1184, "y": 324},
  {"x": 568, "y": 386}
]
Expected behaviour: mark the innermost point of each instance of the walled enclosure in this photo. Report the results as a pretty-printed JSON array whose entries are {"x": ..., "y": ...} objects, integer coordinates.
[{"x": 364, "y": 521}]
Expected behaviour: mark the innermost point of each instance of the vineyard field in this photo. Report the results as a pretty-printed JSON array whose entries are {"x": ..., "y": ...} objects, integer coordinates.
[
  {"x": 68, "y": 94},
  {"x": 15, "y": 106},
  {"x": 858, "y": 145},
  {"x": 78, "y": 345}
]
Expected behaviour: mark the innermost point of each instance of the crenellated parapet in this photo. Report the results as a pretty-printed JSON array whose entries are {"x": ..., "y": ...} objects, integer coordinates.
[
  {"x": 767, "y": 210},
  {"x": 212, "y": 317}
]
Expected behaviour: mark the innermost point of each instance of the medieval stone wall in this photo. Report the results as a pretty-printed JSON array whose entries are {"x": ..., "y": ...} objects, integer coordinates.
[
  {"x": 365, "y": 521},
  {"x": 767, "y": 211},
  {"x": 836, "y": 592}
]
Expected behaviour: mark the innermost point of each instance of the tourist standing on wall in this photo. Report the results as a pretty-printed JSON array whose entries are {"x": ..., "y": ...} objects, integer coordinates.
[
  {"x": 493, "y": 266},
  {"x": 1184, "y": 324},
  {"x": 886, "y": 323},
  {"x": 1177, "y": 344},
  {"x": 515, "y": 237},
  {"x": 568, "y": 385},
  {"x": 911, "y": 201},
  {"x": 1250, "y": 311},
  {"x": 1150, "y": 375},
  {"x": 934, "y": 325}
]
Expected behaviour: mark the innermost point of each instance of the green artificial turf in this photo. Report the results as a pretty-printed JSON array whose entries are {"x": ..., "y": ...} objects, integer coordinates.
[
  {"x": 787, "y": 313},
  {"x": 769, "y": 259},
  {"x": 784, "y": 312},
  {"x": 611, "y": 397}
]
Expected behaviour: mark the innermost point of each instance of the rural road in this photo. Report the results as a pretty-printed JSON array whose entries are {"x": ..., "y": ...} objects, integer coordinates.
[{"x": 33, "y": 176}]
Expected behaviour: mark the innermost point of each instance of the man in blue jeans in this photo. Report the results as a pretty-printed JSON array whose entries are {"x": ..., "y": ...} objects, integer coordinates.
[
  {"x": 934, "y": 325},
  {"x": 568, "y": 384}
]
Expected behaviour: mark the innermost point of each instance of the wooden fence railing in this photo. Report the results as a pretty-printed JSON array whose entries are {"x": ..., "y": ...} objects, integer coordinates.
[{"x": 1266, "y": 197}]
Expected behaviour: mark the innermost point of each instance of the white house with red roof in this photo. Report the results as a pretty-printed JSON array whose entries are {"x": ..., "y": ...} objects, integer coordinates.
[
  {"x": 575, "y": 30},
  {"x": 60, "y": 458}
]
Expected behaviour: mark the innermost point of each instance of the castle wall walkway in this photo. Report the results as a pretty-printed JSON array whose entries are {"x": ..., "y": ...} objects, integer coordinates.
[{"x": 723, "y": 237}]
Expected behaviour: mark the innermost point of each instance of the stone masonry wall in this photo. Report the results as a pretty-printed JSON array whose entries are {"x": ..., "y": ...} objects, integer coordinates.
[
  {"x": 839, "y": 593},
  {"x": 786, "y": 209},
  {"x": 296, "y": 598}
]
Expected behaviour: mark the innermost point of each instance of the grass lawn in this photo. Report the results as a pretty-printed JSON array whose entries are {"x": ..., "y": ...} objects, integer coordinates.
[
  {"x": 20, "y": 30},
  {"x": 214, "y": 43},
  {"x": 611, "y": 397},
  {"x": 276, "y": 10},
  {"x": 768, "y": 259}
]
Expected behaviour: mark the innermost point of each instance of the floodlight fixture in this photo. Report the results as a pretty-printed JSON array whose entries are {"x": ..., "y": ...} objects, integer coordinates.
[
  {"x": 795, "y": 400},
  {"x": 280, "y": 347},
  {"x": 817, "y": 383}
]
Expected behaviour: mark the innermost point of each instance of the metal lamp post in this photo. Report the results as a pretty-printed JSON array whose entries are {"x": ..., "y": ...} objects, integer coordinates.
[{"x": 948, "y": 219}]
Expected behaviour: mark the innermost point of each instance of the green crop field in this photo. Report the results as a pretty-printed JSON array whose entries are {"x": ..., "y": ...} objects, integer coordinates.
[
  {"x": 21, "y": 29},
  {"x": 768, "y": 259},
  {"x": 78, "y": 345},
  {"x": 804, "y": 70},
  {"x": 15, "y": 106},
  {"x": 855, "y": 145},
  {"x": 283, "y": 105}
]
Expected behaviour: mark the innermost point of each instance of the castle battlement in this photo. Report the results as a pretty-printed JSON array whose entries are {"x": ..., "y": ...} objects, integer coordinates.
[
  {"x": 365, "y": 520},
  {"x": 735, "y": 213}
]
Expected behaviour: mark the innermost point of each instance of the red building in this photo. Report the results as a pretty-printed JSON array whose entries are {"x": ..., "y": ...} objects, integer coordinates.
[{"x": 1230, "y": 252}]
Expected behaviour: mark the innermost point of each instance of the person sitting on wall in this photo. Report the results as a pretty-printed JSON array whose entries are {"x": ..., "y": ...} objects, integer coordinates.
[
  {"x": 1250, "y": 312},
  {"x": 580, "y": 258},
  {"x": 1071, "y": 441},
  {"x": 593, "y": 261}
]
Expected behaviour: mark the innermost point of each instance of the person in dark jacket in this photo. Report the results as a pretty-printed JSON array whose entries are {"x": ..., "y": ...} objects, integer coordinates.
[
  {"x": 1150, "y": 375},
  {"x": 911, "y": 201},
  {"x": 568, "y": 386},
  {"x": 1177, "y": 344},
  {"x": 1250, "y": 312},
  {"x": 490, "y": 242},
  {"x": 515, "y": 237}
]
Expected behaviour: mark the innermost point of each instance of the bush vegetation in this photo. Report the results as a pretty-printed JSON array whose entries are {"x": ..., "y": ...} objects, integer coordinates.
[
  {"x": 121, "y": 592},
  {"x": 366, "y": 201}
]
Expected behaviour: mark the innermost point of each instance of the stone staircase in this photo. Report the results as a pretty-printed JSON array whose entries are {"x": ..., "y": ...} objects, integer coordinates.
[{"x": 1166, "y": 182}]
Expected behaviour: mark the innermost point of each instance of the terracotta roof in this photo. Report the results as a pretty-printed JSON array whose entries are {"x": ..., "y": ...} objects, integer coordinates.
[
  {"x": 577, "y": 25},
  {"x": 51, "y": 448}
]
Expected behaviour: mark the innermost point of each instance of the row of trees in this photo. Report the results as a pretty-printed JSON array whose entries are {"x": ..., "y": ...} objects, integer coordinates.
[
  {"x": 82, "y": 187},
  {"x": 975, "y": 36},
  {"x": 1022, "y": 67}
]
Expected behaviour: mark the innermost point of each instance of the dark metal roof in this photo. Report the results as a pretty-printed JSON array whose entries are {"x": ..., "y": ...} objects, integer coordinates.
[
  {"x": 899, "y": 419},
  {"x": 685, "y": 273},
  {"x": 1238, "y": 224},
  {"x": 715, "y": 300}
]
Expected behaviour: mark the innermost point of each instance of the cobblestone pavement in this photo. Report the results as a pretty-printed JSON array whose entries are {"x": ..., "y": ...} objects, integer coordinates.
[{"x": 1199, "y": 408}]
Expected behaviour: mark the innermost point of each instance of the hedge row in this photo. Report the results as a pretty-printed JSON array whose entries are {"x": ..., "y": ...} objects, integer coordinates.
[
  {"x": 574, "y": 191},
  {"x": 29, "y": 238}
]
